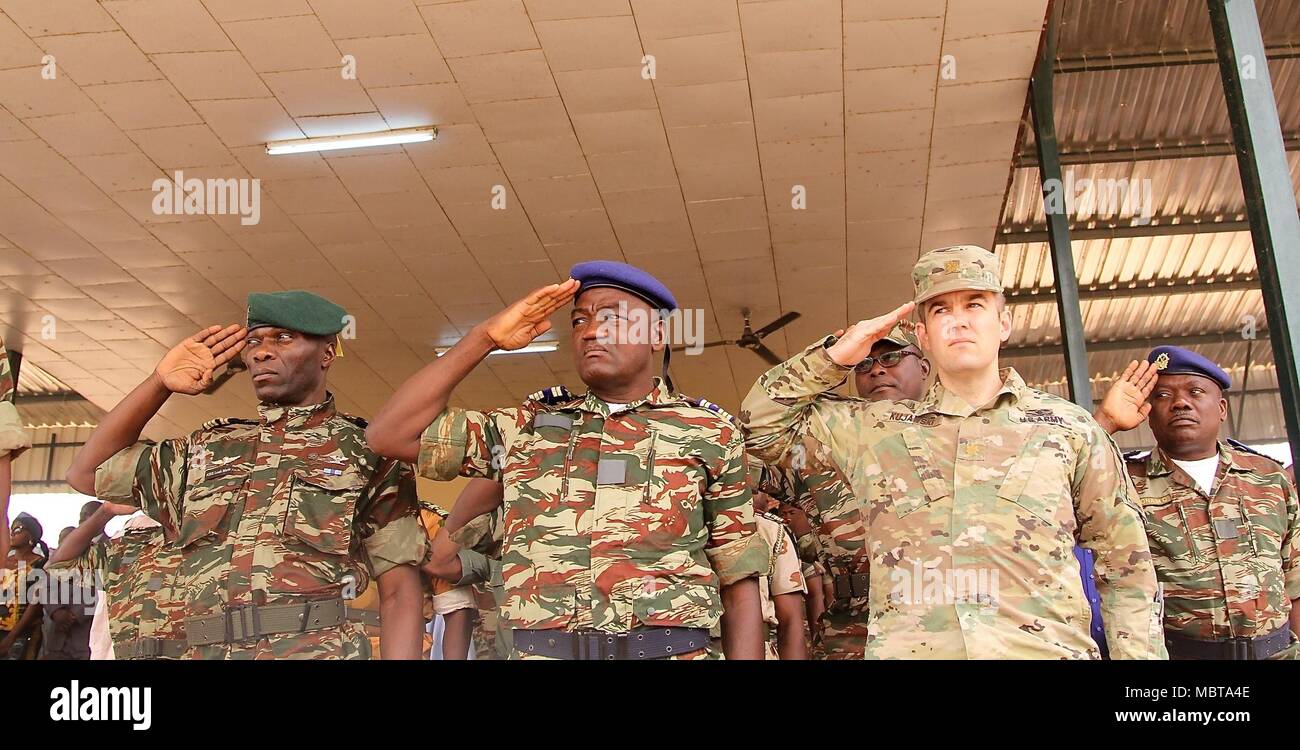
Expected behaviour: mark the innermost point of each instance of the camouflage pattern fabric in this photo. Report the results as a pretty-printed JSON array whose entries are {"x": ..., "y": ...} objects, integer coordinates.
[
  {"x": 13, "y": 438},
  {"x": 610, "y": 521},
  {"x": 784, "y": 574},
  {"x": 817, "y": 486},
  {"x": 956, "y": 268},
  {"x": 480, "y": 559},
  {"x": 286, "y": 509},
  {"x": 971, "y": 515},
  {"x": 1230, "y": 562}
]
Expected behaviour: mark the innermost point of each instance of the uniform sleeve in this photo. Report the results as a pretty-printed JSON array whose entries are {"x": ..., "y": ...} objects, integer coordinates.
[
  {"x": 468, "y": 443},
  {"x": 1111, "y": 526},
  {"x": 735, "y": 550},
  {"x": 782, "y": 411},
  {"x": 389, "y": 519},
  {"x": 13, "y": 438},
  {"x": 787, "y": 573},
  {"x": 149, "y": 476},
  {"x": 1291, "y": 543}
]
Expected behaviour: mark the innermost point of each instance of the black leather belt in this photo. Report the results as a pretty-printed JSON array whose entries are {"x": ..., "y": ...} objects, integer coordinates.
[
  {"x": 249, "y": 622},
  {"x": 592, "y": 645},
  {"x": 851, "y": 585},
  {"x": 154, "y": 648},
  {"x": 1231, "y": 649}
]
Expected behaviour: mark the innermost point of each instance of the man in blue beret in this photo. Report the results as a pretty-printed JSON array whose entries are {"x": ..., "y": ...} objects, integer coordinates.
[
  {"x": 1223, "y": 521},
  {"x": 277, "y": 517},
  {"x": 628, "y": 529}
]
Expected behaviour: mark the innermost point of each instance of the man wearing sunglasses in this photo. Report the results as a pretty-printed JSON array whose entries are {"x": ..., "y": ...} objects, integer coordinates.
[{"x": 896, "y": 370}]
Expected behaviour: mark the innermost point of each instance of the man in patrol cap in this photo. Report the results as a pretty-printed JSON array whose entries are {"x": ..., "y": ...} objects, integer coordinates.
[
  {"x": 272, "y": 515},
  {"x": 1223, "y": 521},
  {"x": 628, "y": 530},
  {"x": 895, "y": 370},
  {"x": 973, "y": 497},
  {"x": 13, "y": 441}
]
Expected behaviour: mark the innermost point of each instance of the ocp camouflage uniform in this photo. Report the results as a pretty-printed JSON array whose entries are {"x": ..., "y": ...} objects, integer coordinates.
[
  {"x": 13, "y": 438},
  {"x": 278, "y": 513},
  {"x": 999, "y": 492},
  {"x": 1229, "y": 562},
  {"x": 611, "y": 521}
]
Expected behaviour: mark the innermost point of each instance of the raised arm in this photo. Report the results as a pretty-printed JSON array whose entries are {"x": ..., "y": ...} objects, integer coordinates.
[
  {"x": 75, "y": 544},
  {"x": 187, "y": 369},
  {"x": 1125, "y": 404},
  {"x": 395, "y": 431}
]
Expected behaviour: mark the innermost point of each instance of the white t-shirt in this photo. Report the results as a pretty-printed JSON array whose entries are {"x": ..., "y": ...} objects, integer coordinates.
[
  {"x": 616, "y": 408},
  {"x": 1201, "y": 471}
]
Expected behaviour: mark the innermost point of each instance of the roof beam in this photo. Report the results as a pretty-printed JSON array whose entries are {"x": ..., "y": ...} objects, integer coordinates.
[
  {"x": 1170, "y": 226},
  {"x": 1102, "y": 345},
  {"x": 1158, "y": 59},
  {"x": 1150, "y": 288},
  {"x": 1145, "y": 151}
]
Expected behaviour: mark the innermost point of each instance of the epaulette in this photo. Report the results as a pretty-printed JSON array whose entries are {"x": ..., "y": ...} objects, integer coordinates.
[
  {"x": 710, "y": 406},
  {"x": 1136, "y": 455},
  {"x": 358, "y": 421},
  {"x": 213, "y": 424},
  {"x": 1247, "y": 449},
  {"x": 553, "y": 396},
  {"x": 769, "y": 515}
]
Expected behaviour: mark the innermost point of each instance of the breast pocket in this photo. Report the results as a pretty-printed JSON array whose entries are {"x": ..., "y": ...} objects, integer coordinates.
[
  {"x": 1038, "y": 477},
  {"x": 1168, "y": 529},
  {"x": 322, "y": 502},
  {"x": 205, "y": 508},
  {"x": 911, "y": 477}
]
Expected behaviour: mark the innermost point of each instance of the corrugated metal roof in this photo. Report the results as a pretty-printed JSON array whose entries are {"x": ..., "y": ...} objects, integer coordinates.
[
  {"x": 1154, "y": 106},
  {"x": 45, "y": 401}
]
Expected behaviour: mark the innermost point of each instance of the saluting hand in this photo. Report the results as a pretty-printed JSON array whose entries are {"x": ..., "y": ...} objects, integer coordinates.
[
  {"x": 1125, "y": 405},
  {"x": 858, "y": 338},
  {"x": 516, "y": 326},
  {"x": 188, "y": 367}
]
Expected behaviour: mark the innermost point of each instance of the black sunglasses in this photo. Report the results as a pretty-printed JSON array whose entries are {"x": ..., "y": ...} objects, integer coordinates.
[{"x": 888, "y": 359}]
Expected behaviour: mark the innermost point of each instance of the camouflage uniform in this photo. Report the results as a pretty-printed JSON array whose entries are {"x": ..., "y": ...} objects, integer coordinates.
[
  {"x": 283, "y": 510},
  {"x": 970, "y": 514},
  {"x": 783, "y": 576},
  {"x": 13, "y": 438},
  {"x": 1229, "y": 562},
  {"x": 137, "y": 572},
  {"x": 480, "y": 564},
  {"x": 817, "y": 486},
  {"x": 610, "y": 521}
]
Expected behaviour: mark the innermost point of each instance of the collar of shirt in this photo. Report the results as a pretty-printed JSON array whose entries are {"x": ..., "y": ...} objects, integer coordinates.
[
  {"x": 1158, "y": 465},
  {"x": 297, "y": 416},
  {"x": 659, "y": 395},
  {"x": 942, "y": 401}
]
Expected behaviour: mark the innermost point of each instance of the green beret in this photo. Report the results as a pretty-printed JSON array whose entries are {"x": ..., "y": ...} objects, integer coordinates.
[{"x": 297, "y": 311}]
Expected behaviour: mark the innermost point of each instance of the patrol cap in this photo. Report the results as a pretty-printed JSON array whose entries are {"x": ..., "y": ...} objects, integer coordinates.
[
  {"x": 903, "y": 334},
  {"x": 954, "y": 269},
  {"x": 1175, "y": 360},
  {"x": 609, "y": 273},
  {"x": 295, "y": 310}
]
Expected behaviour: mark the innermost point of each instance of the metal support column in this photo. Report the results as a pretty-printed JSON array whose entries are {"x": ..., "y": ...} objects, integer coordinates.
[
  {"x": 1058, "y": 220},
  {"x": 1266, "y": 186}
]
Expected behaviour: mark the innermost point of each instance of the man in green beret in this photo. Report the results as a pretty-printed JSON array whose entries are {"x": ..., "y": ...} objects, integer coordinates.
[{"x": 275, "y": 517}]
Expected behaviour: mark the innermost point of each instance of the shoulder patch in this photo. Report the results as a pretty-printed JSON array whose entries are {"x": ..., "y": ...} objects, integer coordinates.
[
  {"x": 710, "y": 406},
  {"x": 553, "y": 396},
  {"x": 1269, "y": 461}
]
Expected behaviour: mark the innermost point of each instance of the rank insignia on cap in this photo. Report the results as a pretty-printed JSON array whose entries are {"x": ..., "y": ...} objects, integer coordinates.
[
  {"x": 1162, "y": 362},
  {"x": 952, "y": 266}
]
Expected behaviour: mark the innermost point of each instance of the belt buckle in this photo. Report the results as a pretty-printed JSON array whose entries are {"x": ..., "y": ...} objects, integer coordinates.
[
  {"x": 612, "y": 646},
  {"x": 1240, "y": 648},
  {"x": 250, "y": 624},
  {"x": 150, "y": 648}
]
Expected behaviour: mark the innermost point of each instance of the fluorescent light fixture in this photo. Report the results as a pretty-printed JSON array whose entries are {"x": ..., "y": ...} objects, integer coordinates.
[
  {"x": 360, "y": 140},
  {"x": 537, "y": 347}
]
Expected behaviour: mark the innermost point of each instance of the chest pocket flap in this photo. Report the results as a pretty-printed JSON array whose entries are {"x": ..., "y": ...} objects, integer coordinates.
[{"x": 322, "y": 502}]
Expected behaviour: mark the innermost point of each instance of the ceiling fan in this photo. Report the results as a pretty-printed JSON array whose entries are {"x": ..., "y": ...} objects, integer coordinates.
[{"x": 753, "y": 340}]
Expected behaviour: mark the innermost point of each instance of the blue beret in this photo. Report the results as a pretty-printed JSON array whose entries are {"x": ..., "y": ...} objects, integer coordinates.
[
  {"x": 1175, "y": 360},
  {"x": 598, "y": 273}
]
